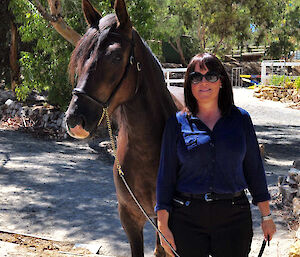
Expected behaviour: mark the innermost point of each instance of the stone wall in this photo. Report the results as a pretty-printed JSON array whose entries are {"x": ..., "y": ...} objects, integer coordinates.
[
  {"x": 39, "y": 116},
  {"x": 275, "y": 93},
  {"x": 289, "y": 188}
]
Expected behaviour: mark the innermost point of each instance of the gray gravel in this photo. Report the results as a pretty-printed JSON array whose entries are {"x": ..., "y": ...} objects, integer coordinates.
[{"x": 64, "y": 190}]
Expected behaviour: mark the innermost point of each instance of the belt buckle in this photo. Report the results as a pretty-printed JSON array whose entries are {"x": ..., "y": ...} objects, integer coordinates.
[{"x": 208, "y": 197}]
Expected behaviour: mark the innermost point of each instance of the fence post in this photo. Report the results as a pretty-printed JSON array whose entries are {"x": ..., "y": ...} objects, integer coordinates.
[{"x": 263, "y": 73}]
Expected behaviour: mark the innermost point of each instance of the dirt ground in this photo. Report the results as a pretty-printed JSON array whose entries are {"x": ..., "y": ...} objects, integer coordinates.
[{"x": 63, "y": 190}]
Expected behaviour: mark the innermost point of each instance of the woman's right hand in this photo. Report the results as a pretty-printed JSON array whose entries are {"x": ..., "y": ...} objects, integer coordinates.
[{"x": 169, "y": 236}]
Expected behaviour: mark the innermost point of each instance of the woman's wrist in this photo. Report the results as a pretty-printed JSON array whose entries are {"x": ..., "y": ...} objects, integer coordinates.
[{"x": 267, "y": 217}]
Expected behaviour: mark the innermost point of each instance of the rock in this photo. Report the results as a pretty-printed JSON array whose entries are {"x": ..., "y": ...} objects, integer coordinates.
[
  {"x": 258, "y": 94},
  {"x": 257, "y": 90},
  {"x": 262, "y": 150},
  {"x": 59, "y": 122},
  {"x": 296, "y": 206},
  {"x": 296, "y": 98},
  {"x": 9, "y": 103},
  {"x": 291, "y": 181},
  {"x": 281, "y": 180},
  {"x": 45, "y": 117},
  {"x": 294, "y": 174},
  {"x": 276, "y": 99},
  {"x": 295, "y": 249},
  {"x": 5, "y": 95},
  {"x": 296, "y": 165},
  {"x": 288, "y": 193}
]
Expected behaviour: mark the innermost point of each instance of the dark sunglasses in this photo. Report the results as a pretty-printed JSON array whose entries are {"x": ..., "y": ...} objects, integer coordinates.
[{"x": 196, "y": 77}]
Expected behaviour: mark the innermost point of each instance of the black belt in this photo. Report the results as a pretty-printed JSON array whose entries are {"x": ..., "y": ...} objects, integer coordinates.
[{"x": 208, "y": 197}]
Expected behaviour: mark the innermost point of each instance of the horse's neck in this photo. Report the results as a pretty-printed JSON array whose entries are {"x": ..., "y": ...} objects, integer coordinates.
[{"x": 145, "y": 115}]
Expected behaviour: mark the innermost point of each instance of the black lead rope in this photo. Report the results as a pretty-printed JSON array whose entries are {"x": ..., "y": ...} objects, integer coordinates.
[{"x": 263, "y": 246}]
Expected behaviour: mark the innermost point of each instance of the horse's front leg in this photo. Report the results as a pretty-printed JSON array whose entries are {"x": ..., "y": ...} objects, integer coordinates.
[{"x": 133, "y": 225}]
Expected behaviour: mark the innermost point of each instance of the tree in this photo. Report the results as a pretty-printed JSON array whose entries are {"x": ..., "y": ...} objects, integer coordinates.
[
  {"x": 56, "y": 20},
  {"x": 44, "y": 67},
  {"x": 189, "y": 26},
  {"x": 5, "y": 41},
  {"x": 284, "y": 35}
]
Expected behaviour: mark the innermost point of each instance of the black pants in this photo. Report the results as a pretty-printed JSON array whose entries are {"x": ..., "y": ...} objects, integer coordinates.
[{"x": 219, "y": 228}]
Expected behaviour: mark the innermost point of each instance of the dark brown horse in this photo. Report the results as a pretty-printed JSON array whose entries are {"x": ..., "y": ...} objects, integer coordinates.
[{"x": 114, "y": 67}]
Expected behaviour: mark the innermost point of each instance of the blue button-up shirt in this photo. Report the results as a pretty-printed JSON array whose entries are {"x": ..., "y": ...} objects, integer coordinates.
[{"x": 195, "y": 159}]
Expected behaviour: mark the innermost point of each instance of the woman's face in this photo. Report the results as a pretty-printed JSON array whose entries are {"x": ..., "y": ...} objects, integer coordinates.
[{"x": 205, "y": 91}]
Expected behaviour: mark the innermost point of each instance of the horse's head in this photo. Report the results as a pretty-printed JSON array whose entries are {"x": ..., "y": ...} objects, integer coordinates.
[{"x": 103, "y": 67}]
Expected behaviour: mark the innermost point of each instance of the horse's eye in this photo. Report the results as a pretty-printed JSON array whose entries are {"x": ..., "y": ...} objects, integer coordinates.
[{"x": 117, "y": 58}]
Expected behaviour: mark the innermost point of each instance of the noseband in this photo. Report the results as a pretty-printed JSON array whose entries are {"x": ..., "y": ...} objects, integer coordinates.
[{"x": 130, "y": 61}]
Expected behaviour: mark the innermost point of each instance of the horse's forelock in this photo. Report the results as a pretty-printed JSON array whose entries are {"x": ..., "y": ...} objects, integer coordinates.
[
  {"x": 108, "y": 21},
  {"x": 89, "y": 43}
]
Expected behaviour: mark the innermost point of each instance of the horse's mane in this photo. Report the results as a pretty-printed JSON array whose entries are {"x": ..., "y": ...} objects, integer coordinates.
[{"x": 153, "y": 55}]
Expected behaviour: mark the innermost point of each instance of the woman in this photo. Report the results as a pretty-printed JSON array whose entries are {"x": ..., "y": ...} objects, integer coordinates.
[{"x": 209, "y": 156}]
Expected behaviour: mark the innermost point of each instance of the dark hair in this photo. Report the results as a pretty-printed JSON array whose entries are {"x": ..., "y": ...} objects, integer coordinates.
[{"x": 212, "y": 63}]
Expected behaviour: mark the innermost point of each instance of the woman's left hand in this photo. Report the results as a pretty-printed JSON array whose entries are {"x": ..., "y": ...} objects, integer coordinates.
[{"x": 269, "y": 228}]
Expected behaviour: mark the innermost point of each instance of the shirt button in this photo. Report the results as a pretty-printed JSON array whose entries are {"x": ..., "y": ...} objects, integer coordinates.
[
  {"x": 210, "y": 188},
  {"x": 211, "y": 144}
]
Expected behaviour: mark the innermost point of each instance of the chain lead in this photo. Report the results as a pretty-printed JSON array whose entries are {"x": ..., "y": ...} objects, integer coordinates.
[{"x": 113, "y": 145}]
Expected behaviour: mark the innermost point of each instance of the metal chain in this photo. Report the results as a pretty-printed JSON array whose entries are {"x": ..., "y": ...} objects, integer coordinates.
[
  {"x": 112, "y": 141},
  {"x": 121, "y": 174}
]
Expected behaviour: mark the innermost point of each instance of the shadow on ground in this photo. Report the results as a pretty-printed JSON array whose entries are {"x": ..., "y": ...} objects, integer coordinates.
[
  {"x": 61, "y": 190},
  {"x": 64, "y": 190}
]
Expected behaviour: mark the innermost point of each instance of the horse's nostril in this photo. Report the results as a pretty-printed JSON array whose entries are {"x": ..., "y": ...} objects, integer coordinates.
[
  {"x": 75, "y": 120},
  {"x": 82, "y": 121}
]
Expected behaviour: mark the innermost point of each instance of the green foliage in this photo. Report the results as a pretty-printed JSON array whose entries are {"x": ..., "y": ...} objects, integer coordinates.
[
  {"x": 283, "y": 32},
  {"x": 45, "y": 66},
  {"x": 279, "y": 80},
  {"x": 297, "y": 83},
  {"x": 198, "y": 25}
]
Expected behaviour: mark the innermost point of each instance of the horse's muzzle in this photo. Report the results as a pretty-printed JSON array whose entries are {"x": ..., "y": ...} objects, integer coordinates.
[{"x": 75, "y": 126}]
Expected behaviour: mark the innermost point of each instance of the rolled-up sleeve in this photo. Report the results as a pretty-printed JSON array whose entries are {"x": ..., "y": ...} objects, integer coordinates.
[
  {"x": 166, "y": 180},
  {"x": 253, "y": 165}
]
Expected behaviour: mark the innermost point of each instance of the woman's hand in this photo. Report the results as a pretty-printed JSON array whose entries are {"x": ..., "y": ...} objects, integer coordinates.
[
  {"x": 267, "y": 224},
  {"x": 169, "y": 236},
  {"x": 269, "y": 228},
  {"x": 162, "y": 223}
]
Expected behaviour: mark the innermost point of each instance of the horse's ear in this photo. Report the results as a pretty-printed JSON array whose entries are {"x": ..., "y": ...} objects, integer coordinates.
[
  {"x": 92, "y": 16},
  {"x": 122, "y": 14}
]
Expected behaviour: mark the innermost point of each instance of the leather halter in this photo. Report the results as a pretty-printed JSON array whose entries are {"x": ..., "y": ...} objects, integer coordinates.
[{"x": 130, "y": 61}]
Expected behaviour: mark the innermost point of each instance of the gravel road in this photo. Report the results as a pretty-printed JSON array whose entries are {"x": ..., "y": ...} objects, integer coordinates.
[{"x": 64, "y": 190}]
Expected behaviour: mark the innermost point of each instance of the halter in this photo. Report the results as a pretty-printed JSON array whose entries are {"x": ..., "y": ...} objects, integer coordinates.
[{"x": 130, "y": 62}]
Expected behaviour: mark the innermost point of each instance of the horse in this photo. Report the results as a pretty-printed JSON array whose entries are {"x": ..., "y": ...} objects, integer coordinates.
[{"x": 112, "y": 66}]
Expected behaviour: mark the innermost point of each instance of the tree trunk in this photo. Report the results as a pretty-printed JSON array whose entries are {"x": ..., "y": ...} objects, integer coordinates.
[
  {"x": 56, "y": 20},
  {"x": 180, "y": 51},
  {"x": 60, "y": 25},
  {"x": 218, "y": 45},
  {"x": 13, "y": 57},
  {"x": 201, "y": 36}
]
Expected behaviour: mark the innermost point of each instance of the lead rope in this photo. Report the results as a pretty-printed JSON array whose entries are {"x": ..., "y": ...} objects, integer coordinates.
[{"x": 121, "y": 174}]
